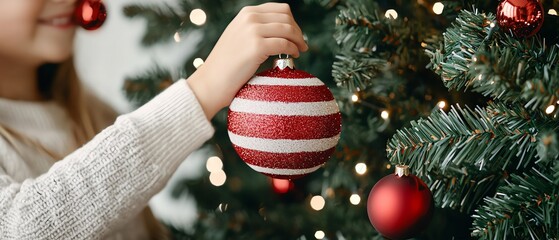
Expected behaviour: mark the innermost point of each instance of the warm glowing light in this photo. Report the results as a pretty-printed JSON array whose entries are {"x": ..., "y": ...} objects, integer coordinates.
[
  {"x": 361, "y": 168},
  {"x": 198, "y": 17},
  {"x": 319, "y": 234},
  {"x": 438, "y": 8},
  {"x": 355, "y": 199},
  {"x": 423, "y": 44},
  {"x": 441, "y": 104},
  {"x": 330, "y": 193},
  {"x": 384, "y": 114},
  {"x": 391, "y": 13},
  {"x": 177, "y": 37},
  {"x": 552, "y": 12},
  {"x": 198, "y": 62},
  {"x": 317, "y": 203},
  {"x": 218, "y": 178},
  {"x": 281, "y": 185},
  {"x": 550, "y": 109},
  {"x": 474, "y": 58},
  {"x": 354, "y": 98},
  {"x": 214, "y": 164},
  {"x": 388, "y": 166},
  {"x": 492, "y": 25}
]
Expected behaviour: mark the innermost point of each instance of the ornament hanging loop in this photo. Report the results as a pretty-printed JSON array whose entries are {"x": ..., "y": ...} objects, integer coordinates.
[{"x": 283, "y": 63}]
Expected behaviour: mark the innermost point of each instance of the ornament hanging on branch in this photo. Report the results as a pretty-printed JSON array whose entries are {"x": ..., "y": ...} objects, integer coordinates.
[
  {"x": 523, "y": 18},
  {"x": 282, "y": 186},
  {"x": 90, "y": 14},
  {"x": 400, "y": 205},
  {"x": 284, "y": 123}
]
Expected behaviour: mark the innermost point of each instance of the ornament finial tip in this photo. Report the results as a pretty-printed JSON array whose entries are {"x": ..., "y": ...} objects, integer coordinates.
[
  {"x": 283, "y": 63},
  {"x": 402, "y": 170}
]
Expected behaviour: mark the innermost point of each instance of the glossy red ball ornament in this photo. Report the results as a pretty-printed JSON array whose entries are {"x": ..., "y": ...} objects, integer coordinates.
[
  {"x": 90, "y": 14},
  {"x": 282, "y": 186},
  {"x": 400, "y": 205},
  {"x": 284, "y": 123},
  {"x": 523, "y": 18}
]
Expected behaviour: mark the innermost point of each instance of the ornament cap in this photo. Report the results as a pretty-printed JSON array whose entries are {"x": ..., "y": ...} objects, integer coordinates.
[
  {"x": 402, "y": 170},
  {"x": 283, "y": 63}
]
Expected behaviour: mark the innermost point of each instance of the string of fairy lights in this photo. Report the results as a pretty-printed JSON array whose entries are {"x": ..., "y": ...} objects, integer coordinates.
[
  {"x": 214, "y": 164},
  {"x": 197, "y": 17}
]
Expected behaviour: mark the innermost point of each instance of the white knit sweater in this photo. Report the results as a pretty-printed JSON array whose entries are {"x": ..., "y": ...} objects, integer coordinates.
[{"x": 98, "y": 190}]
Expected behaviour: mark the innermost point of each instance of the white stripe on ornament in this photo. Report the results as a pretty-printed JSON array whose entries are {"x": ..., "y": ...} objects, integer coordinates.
[
  {"x": 281, "y": 171},
  {"x": 284, "y": 145},
  {"x": 259, "y": 80},
  {"x": 283, "y": 108}
]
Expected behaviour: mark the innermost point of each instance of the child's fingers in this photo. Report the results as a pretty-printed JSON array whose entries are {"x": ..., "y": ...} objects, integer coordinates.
[
  {"x": 282, "y": 30},
  {"x": 275, "y": 46},
  {"x": 268, "y": 7},
  {"x": 282, "y": 22},
  {"x": 277, "y": 18},
  {"x": 271, "y": 7},
  {"x": 269, "y": 18}
]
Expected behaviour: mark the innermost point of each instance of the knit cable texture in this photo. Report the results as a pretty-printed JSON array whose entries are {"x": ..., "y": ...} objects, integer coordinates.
[{"x": 107, "y": 181}]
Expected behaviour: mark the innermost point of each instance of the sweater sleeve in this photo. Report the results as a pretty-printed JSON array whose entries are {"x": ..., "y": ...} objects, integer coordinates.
[{"x": 111, "y": 178}]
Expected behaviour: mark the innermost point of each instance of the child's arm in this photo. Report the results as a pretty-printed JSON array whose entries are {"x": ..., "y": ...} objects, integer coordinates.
[
  {"x": 110, "y": 179},
  {"x": 256, "y": 33}
]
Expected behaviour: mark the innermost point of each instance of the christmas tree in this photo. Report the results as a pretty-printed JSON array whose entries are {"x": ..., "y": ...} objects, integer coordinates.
[{"x": 460, "y": 91}]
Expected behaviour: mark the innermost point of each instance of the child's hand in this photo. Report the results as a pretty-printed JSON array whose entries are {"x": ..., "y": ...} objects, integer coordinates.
[{"x": 256, "y": 33}]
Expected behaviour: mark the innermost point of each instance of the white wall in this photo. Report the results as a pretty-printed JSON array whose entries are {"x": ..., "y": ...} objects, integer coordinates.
[{"x": 105, "y": 56}]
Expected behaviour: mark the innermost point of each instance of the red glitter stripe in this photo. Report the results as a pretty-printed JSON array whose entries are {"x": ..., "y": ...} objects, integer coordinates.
[
  {"x": 285, "y": 73},
  {"x": 275, "y": 93},
  {"x": 300, "y": 160},
  {"x": 284, "y": 127}
]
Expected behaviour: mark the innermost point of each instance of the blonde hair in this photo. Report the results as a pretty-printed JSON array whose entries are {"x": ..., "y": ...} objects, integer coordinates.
[{"x": 90, "y": 115}]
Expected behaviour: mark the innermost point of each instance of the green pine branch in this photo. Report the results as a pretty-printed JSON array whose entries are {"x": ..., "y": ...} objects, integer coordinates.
[
  {"x": 453, "y": 57},
  {"x": 359, "y": 26},
  {"x": 476, "y": 55},
  {"x": 357, "y": 72},
  {"x": 464, "y": 153},
  {"x": 358, "y": 30},
  {"x": 526, "y": 207},
  {"x": 143, "y": 87},
  {"x": 161, "y": 19},
  {"x": 518, "y": 71}
]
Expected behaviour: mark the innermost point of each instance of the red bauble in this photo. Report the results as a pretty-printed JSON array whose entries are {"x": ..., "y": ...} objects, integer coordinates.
[
  {"x": 284, "y": 123},
  {"x": 90, "y": 14},
  {"x": 523, "y": 18},
  {"x": 400, "y": 205},
  {"x": 282, "y": 186}
]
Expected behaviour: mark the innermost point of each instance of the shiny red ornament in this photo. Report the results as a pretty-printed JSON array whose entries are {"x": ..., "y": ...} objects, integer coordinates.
[
  {"x": 523, "y": 18},
  {"x": 90, "y": 14},
  {"x": 284, "y": 123},
  {"x": 282, "y": 186},
  {"x": 400, "y": 205}
]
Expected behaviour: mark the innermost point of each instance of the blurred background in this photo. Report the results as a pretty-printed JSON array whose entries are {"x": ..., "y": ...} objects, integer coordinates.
[{"x": 105, "y": 57}]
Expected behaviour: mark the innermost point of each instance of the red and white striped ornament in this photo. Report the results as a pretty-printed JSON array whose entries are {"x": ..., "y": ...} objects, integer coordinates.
[{"x": 284, "y": 123}]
